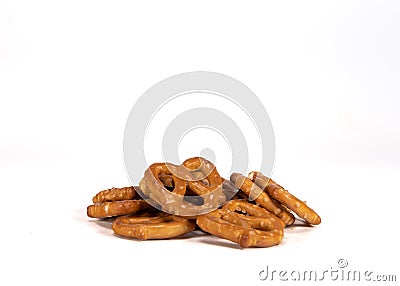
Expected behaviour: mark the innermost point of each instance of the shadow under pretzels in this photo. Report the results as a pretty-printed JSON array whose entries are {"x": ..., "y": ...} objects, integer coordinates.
[
  {"x": 190, "y": 235},
  {"x": 104, "y": 223},
  {"x": 300, "y": 223},
  {"x": 213, "y": 240}
]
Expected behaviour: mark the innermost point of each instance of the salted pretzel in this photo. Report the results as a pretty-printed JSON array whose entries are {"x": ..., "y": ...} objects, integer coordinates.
[
  {"x": 262, "y": 198},
  {"x": 116, "y": 208},
  {"x": 287, "y": 199},
  {"x": 196, "y": 175},
  {"x": 194, "y": 193},
  {"x": 115, "y": 194},
  {"x": 157, "y": 226},
  {"x": 203, "y": 176},
  {"x": 247, "y": 231},
  {"x": 253, "y": 211}
]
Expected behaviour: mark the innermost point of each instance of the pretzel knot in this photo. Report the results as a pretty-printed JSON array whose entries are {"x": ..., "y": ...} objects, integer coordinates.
[
  {"x": 259, "y": 228},
  {"x": 152, "y": 226},
  {"x": 190, "y": 189}
]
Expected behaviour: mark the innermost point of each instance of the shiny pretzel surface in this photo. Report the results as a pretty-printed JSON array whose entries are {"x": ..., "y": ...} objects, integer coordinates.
[
  {"x": 173, "y": 200},
  {"x": 247, "y": 231},
  {"x": 155, "y": 226},
  {"x": 262, "y": 198},
  {"x": 284, "y": 197},
  {"x": 197, "y": 176}
]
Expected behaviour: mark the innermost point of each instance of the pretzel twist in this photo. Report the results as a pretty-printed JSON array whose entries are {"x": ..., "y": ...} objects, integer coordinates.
[
  {"x": 262, "y": 198},
  {"x": 196, "y": 175},
  {"x": 160, "y": 226},
  {"x": 116, "y": 208},
  {"x": 249, "y": 232},
  {"x": 195, "y": 190},
  {"x": 287, "y": 199},
  {"x": 254, "y": 211},
  {"x": 202, "y": 176},
  {"x": 115, "y": 194}
]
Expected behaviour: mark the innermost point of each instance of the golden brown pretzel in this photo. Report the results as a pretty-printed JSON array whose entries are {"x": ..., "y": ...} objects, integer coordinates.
[
  {"x": 254, "y": 231},
  {"x": 197, "y": 175},
  {"x": 115, "y": 194},
  {"x": 159, "y": 226},
  {"x": 261, "y": 197},
  {"x": 204, "y": 176},
  {"x": 253, "y": 210},
  {"x": 287, "y": 199},
  {"x": 152, "y": 186},
  {"x": 116, "y": 208}
]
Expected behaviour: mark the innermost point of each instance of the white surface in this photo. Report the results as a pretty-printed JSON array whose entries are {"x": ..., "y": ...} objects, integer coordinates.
[{"x": 328, "y": 74}]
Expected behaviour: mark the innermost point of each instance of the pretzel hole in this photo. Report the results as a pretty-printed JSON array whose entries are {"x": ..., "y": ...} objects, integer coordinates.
[{"x": 170, "y": 187}]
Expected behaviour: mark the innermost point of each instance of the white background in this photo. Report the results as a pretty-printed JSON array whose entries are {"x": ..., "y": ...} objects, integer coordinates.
[{"x": 328, "y": 74}]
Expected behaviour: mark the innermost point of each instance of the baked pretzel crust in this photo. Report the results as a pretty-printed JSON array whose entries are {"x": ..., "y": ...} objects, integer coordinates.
[
  {"x": 116, "y": 208},
  {"x": 254, "y": 211},
  {"x": 159, "y": 226},
  {"x": 195, "y": 176},
  {"x": 173, "y": 199},
  {"x": 262, "y": 198},
  {"x": 252, "y": 232},
  {"x": 284, "y": 197},
  {"x": 115, "y": 194}
]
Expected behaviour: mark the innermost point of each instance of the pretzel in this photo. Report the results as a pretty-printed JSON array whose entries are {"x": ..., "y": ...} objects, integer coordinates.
[
  {"x": 115, "y": 194},
  {"x": 194, "y": 193},
  {"x": 253, "y": 211},
  {"x": 287, "y": 199},
  {"x": 249, "y": 232},
  {"x": 203, "y": 176},
  {"x": 116, "y": 208},
  {"x": 159, "y": 226},
  {"x": 196, "y": 175},
  {"x": 262, "y": 198}
]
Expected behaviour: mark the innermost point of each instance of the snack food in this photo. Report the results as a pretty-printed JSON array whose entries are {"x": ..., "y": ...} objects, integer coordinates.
[
  {"x": 152, "y": 226},
  {"x": 262, "y": 198},
  {"x": 197, "y": 175},
  {"x": 173, "y": 199},
  {"x": 253, "y": 231},
  {"x": 116, "y": 208},
  {"x": 115, "y": 194},
  {"x": 284, "y": 197}
]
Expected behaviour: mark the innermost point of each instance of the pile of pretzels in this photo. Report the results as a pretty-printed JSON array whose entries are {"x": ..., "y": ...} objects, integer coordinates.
[{"x": 172, "y": 200}]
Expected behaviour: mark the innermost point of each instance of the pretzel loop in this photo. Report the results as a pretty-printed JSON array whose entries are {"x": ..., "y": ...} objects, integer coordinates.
[
  {"x": 115, "y": 194},
  {"x": 160, "y": 226},
  {"x": 196, "y": 175},
  {"x": 262, "y": 198},
  {"x": 116, "y": 208},
  {"x": 278, "y": 193},
  {"x": 249, "y": 232}
]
